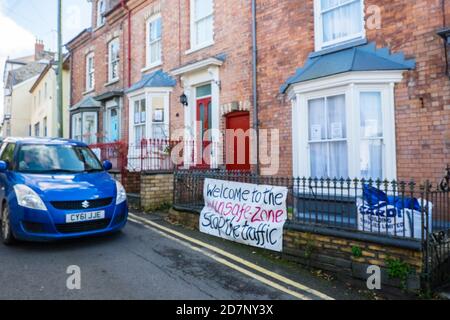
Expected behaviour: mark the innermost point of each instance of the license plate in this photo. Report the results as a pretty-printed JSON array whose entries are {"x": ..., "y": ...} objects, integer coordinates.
[{"x": 85, "y": 216}]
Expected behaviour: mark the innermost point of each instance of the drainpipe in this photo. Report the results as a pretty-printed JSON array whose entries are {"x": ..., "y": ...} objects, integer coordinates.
[
  {"x": 125, "y": 6},
  {"x": 254, "y": 84}
]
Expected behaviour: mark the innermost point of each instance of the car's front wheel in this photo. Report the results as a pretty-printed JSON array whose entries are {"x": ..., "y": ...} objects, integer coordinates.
[{"x": 6, "y": 233}]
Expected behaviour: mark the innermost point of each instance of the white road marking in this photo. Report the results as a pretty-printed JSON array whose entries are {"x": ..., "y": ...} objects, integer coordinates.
[{"x": 164, "y": 231}]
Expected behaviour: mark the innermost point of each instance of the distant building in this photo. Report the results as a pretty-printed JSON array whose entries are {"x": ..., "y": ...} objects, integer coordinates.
[
  {"x": 19, "y": 76},
  {"x": 43, "y": 117}
]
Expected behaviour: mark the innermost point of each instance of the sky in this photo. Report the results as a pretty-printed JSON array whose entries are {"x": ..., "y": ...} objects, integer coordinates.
[{"x": 24, "y": 21}]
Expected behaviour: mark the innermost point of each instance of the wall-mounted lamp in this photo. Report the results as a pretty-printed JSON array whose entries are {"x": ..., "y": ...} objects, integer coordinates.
[
  {"x": 184, "y": 100},
  {"x": 218, "y": 84},
  {"x": 445, "y": 34}
]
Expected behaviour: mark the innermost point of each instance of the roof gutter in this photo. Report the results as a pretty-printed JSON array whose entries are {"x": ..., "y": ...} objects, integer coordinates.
[
  {"x": 125, "y": 6},
  {"x": 254, "y": 84}
]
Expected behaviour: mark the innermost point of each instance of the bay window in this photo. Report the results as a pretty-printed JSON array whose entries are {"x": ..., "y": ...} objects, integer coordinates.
[
  {"x": 344, "y": 131},
  {"x": 114, "y": 60},
  {"x": 328, "y": 137},
  {"x": 150, "y": 116},
  {"x": 159, "y": 118},
  {"x": 85, "y": 126},
  {"x": 154, "y": 36},
  {"x": 90, "y": 127},
  {"x": 140, "y": 116},
  {"x": 76, "y": 127},
  {"x": 371, "y": 135},
  {"x": 202, "y": 20},
  {"x": 338, "y": 21}
]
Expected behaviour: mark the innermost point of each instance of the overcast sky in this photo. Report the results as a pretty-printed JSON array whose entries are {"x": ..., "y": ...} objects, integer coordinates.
[{"x": 22, "y": 21}]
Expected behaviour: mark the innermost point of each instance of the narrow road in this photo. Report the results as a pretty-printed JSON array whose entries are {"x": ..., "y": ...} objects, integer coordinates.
[{"x": 142, "y": 262}]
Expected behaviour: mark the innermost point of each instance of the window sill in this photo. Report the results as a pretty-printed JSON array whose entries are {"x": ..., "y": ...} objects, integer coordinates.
[
  {"x": 111, "y": 82},
  {"x": 199, "y": 47},
  {"x": 151, "y": 66},
  {"x": 99, "y": 27},
  {"x": 88, "y": 92}
]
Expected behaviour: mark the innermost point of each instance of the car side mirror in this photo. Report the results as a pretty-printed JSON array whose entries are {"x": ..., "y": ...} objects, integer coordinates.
[
  {"x": 3, "y": 166},
  {"x": 107, "y": 165}
]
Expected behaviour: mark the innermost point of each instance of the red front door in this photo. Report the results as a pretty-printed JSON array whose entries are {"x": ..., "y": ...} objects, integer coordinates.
[
  {"x": 204, "y": 119},
  {"x": 238, "y": 153}
]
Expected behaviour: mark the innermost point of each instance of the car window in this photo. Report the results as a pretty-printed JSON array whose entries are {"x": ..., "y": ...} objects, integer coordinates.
[
  {"x": 8, "y": 154},
  {"x": 56, "y": 159}
]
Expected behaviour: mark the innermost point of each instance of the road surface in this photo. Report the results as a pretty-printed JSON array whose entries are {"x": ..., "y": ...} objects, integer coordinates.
[{"x": 144, "y": 262}]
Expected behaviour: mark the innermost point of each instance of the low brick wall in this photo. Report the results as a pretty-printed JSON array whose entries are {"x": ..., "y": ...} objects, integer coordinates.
[
  {"x": 189, "y": 220},
  {"x": 346, "y": 256},
  {"x": 132, "y": 182},
  {"x": 156, "y": 190}
]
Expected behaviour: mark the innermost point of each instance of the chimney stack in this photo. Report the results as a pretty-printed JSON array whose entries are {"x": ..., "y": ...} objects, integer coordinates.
[{"x": 38, "y": 49}]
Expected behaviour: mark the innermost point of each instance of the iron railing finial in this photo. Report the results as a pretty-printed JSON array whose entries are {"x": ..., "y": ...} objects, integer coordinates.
[{"x": 445, "y": 184}]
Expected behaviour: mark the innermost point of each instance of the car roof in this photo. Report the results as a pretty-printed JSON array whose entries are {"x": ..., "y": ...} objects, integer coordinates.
[{"x": 46, "y": 141}]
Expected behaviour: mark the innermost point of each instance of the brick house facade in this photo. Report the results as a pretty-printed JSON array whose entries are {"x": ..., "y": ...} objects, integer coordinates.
[
  {"x": 220, "y": 67},
  {"x": 97, "y": 97},
  {"x": 410, "y": 140},
  {"x": 421, "y": 98}
]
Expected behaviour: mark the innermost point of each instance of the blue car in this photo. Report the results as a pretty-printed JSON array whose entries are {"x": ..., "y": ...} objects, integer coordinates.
[{"x": 53, "y": 189}]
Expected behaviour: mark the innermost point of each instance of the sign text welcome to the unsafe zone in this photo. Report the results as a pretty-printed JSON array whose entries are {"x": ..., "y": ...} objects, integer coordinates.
[{"x": 246, "y": 213}]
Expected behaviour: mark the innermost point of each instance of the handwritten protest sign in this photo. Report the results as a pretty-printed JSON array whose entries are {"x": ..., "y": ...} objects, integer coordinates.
[{"x": 246, "y": 213}]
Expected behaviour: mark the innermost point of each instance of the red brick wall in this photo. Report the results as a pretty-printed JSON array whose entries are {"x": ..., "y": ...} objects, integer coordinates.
[
  {"x": 286, "y": 37},
  {"x": 232, "y": 36},
  {"x": 98, "y": 41}
]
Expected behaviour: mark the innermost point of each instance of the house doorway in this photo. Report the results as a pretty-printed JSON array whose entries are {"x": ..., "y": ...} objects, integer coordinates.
[
  {"x": 237, "y": 154},
  {"x": 114, "y": 125},
  {"x": 204, "y": 120}
]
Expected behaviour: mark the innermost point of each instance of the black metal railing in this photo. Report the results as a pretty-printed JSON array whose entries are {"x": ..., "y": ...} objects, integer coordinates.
[
  {"x": 382, "y": 209},
  {"x": 386, "y": 208},
  {"x": 437, "y": 243}
]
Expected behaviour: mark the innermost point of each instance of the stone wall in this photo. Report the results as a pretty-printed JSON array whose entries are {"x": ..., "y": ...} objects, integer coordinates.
[
  {"x": 346, "y": 257},
  {"x": 156, "y": 190}
]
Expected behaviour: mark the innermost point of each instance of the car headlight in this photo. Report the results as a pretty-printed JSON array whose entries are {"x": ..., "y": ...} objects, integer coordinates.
[
  {"x": 121, "y": 193},
  {"x": 27, "y": 198}
]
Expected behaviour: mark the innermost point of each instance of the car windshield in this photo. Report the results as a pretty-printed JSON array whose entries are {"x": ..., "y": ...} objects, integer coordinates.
[{"x": 56, "y": 159}]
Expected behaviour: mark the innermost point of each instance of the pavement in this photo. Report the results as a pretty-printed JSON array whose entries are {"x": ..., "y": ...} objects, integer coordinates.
[{"x": 151, "y": 259}]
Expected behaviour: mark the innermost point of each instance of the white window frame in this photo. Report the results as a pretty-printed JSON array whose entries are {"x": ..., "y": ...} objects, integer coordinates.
[
  {"x": 133, "y": 124},
  {"x": 193, "y": 26},
  {"x": 166, "y": 123},
  {"x": 149, "y": 63},
  {"x": 111, "y": 61},
  {"x": 351, "y": 85},
  {"x": 148, "y": 95},
  {"x": 82, "y": 115},
  {"x": 77, "y": 135},
  {"x": 100, "y": 17},
  {"x": 93, "y": 136},
  {"x": 90, "y": 72},
  {"x": 318, "y": 27}
]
